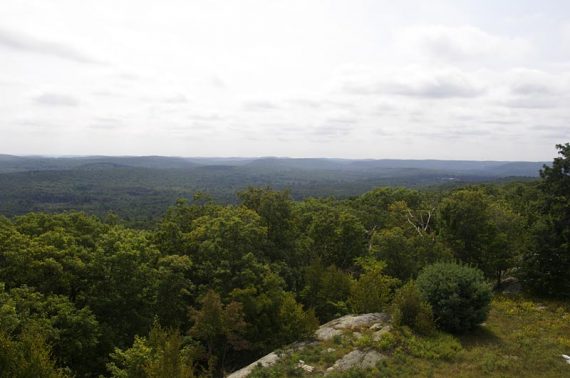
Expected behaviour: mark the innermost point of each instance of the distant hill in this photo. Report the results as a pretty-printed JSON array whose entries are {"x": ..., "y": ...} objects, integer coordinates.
[
  {"x": 140, "y": 188},
  {"x": 11, "y": 163}
]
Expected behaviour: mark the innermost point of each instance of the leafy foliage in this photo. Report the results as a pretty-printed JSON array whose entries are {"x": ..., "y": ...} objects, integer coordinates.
[
  {"x": 219, "y": 326},
  {"x": 27, "y": 355},
  {"x": 409, "y": 308},
  {"x": 160, "y": 355},
  {"x": 72, "y": 334},
  {"x": 333, "y": 234},
  {"x": 373, "y": 290},
  {"x": 546, "y": 266},
  {"x": 458, "y": 294},
  {"x": 481, "y": 232},
  {"x": 406, "y": 253},
  {"x": 327, "y": 290}
]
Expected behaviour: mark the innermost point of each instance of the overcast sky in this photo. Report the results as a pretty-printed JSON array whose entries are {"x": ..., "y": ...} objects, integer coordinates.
[{"x": 347, "y": 78}]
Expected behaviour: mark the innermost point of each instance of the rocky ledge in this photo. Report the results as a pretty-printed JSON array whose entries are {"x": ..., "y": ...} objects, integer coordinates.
[{"x": 375, "y": 325}]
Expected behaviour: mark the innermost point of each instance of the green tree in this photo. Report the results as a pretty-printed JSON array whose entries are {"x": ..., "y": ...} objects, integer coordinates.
[
  {"x": 219, "y": 326},
  {"x": 546, "y": 266},
  {"x": 294, "y": 322},
  {"x": 397, "y": 250},
  {"x": 223, "y": 245},
  {"x": 273, "y": 315},
  {"x": 49, "y": 253},
  {"x": 276, "y": 212},
  {"x": 282, "y": 248},
  {"x": 326, "y": 290},
  {"x": 123, "y": 285},
  {"x": 373, "y": 207},
  {"x": 465, "y": 225},
  {"x": 481, "y": 231},
  {"x": 160, "y": 355},
  {"x": 27, "y": 355},
  {"x": 333, "y": 234},
  {"x": 373, "y": 290},
  {"x": 175, "y": 290},
  {"x": 509, "y": 242},
  {"x": 72, "y": 333},
  {"x": 172, "y": 231}
]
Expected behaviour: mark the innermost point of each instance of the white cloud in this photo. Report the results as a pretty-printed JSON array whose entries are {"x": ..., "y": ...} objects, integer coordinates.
[
  {"x": 260, "y": 105},
  {"x": 106, "y": 123},
  {"x": 176, "y": 99},
  {"x": 535, "y": 89},
  {"x": 525, "y": 81},
  {"x": 56, "y": 99},
  {"x": 461, "y": 42},
  {"x": 25, "y": 43},
  {"x": 415, "y": 81},
  {"x": 529, "y": 103},
  {"x": 547, "y": 131}
]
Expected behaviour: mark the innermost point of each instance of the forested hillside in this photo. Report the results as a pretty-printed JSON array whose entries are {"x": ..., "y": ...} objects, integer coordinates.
[
  {"x": 210, "y": 287},
  {"x": 139, "y": 189}
]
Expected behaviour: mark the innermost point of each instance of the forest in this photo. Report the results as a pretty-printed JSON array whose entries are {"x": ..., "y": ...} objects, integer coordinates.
[
  {"x": 210, "y": 287},
  {"x": 139, "y": 189}
]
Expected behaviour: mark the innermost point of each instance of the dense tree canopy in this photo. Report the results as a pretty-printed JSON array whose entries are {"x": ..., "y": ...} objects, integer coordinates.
[
  {"x": 211, "y": 287},
  {"x": 546, "y": 267}
]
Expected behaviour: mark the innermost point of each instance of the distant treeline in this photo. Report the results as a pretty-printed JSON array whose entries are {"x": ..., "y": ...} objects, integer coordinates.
[{"x": 140, "y": 189}]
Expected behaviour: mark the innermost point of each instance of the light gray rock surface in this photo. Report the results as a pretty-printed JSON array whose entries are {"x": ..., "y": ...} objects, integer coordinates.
[
  {"x": 381, "y": 332},
  {"x": 265, "y": 361},
  {"x": 351, "y": 322},
  {"x": 305, "y": 367},
  {"x": 357, "y": 358}
]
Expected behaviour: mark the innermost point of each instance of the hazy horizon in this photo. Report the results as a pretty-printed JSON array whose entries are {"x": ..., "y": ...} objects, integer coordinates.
[
  {"x": 442, "y": 80},
  {"x": 258, "y": 157}
]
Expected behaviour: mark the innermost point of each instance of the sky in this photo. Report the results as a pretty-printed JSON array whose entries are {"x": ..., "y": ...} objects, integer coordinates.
[{"x": 467, "y": 80}]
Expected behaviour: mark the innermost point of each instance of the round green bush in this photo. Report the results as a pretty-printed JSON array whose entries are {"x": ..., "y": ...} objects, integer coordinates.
[{"x": 459, "y": 295}]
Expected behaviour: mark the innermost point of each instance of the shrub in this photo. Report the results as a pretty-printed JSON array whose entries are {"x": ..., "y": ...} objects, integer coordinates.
[
  {"x": 373, "y": 290},
  {"x": 459, "y": 295},
  {"x": 410, "y": 309},
  {"x": 387, "y": 342},
  {"x": 294, "y": 322}
]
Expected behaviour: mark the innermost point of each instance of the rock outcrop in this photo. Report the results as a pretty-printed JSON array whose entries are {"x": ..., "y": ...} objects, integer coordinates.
[
  {"x": 377, "y": 323},
  {"x": 357, "y": 358},
  {"x": 351, "y": 323},
  {"x": 265, "y": 361}
]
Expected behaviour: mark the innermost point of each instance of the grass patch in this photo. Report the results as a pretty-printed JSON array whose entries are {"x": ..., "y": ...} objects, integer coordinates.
[{"x": 521, "y": 338}]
